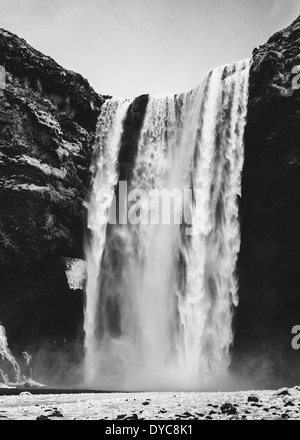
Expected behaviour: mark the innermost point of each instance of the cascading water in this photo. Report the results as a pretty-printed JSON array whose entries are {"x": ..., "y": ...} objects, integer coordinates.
[
  {"x": 105, "y": 171},
  {"x": 11, "y": 373},
  {"x": 161, "y": 287},
  {"x": 6, "y": 355}
]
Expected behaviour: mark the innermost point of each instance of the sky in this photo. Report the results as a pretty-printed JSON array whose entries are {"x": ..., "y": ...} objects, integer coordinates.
[{"x": 129, "y": 47}]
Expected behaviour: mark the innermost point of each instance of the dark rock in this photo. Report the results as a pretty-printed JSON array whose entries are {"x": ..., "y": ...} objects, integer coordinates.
[
  {"x": 121, "y": 416},
  {"x": 187, "y": 414},
  {"x": 283, "y": 392},
  {"x": 130, "y": 137},
  {"x": 146, "y": 403},
  {"x": 289, "y": 403},
  {"x": 42, "y": 418},
  {"x": 47, "y": 125},
  {"x": 253, "y": 398},
  {"x": 132, "y": 417},
  {"x": 228, "y": 408},
  {"x": 56, "y": 414},
  {"x": 269, "y": 259}
]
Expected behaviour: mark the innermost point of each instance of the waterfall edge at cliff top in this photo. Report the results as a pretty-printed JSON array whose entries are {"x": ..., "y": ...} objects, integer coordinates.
[{"x": 163, "y": 242}]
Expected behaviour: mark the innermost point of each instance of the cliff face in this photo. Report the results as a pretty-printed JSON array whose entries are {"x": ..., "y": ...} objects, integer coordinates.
[
  {"x": 47, "y": 123},
  {"x": 269, "y": 263}
]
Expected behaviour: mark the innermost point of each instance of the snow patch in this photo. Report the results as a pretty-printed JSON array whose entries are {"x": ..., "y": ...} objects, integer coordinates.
[{"x": 75, "y": 272}]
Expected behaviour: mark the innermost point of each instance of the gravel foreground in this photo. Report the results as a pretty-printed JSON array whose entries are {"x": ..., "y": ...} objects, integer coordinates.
[{"x": 237, "y": 405}]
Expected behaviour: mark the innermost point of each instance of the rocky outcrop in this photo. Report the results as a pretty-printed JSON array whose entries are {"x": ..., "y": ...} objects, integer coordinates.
[
  {"x": 269, "y": 263},
  {"x": 47, "y": 123},
  {"x": 131, "y": 132}
]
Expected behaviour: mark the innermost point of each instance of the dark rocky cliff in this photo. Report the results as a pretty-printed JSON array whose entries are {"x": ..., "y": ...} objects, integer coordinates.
[
  {"x": 269, "y": 263},
  {"x": 47, "y": 123}
]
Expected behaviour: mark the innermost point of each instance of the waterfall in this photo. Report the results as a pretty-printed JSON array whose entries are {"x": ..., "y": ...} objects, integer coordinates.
[
  {"x": 6, "y": 355},
  {"x": 12, "y": 373},
  {"x": 161, "y": 287},
  {"x": 108, "y": 134}
]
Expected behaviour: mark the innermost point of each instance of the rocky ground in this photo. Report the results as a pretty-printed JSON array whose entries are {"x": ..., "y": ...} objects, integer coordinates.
[{"x": 238, "y": 405}]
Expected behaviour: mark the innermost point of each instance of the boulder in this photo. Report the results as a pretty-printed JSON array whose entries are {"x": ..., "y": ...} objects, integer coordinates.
[{"x": 228, "y": 408}]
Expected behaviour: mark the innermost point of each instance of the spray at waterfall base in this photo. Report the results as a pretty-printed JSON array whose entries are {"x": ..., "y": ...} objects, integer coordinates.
[{"x": 159, "y": 300}]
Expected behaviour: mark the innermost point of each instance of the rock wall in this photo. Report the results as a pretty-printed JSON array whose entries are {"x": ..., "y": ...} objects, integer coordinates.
[
  {"x": 47, "y": 123},
  {"x": 269, "y": 263}
]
